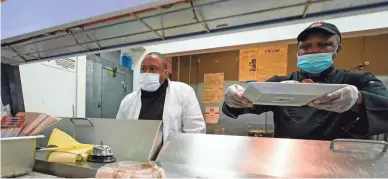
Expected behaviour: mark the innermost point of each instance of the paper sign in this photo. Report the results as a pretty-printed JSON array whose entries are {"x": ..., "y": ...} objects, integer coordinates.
[
  {"x": 248, "y": 64},
  {"x": 169, "y": 64},
  {"x": 213, "y": 89},
  {"x": 212, "y": 115},
  {"x": 271, "y": 61}
]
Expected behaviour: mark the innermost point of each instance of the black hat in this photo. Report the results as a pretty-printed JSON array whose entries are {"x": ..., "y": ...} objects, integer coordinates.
[{"x": 319, "y": 25}]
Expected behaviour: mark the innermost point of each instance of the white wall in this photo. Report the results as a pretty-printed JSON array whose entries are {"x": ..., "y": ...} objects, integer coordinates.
[
  {"x": 53, "y": 90},
  {"x": 81, "y": 87},
  {"x": 362, "y": 22}
]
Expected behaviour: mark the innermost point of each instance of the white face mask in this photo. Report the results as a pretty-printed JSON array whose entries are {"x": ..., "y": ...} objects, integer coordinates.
[{"x": 149, "y": 81}]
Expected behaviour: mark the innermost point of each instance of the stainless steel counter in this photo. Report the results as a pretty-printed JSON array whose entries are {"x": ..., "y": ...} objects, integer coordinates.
[
  {"x": 275, "y": 157},
  {"x": 137, "y": 140},
  {"x": 203, "y": 156},
  {"x": 88, "y": 170},
  {"x": 131, "y": 140},
  {"x": 174, "y": 170},
  {"x": 37, "y": 175},
  {"x": 65, "y": 170}
]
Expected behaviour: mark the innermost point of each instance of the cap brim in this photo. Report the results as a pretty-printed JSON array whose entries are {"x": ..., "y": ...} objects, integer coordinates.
[{"x": 304, "y": 33}]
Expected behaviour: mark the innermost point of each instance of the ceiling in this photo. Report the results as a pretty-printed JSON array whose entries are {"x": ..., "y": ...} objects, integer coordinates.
[{"x": 176, "y": 20}]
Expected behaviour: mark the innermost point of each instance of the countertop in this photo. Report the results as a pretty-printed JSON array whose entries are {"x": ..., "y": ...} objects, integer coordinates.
[{"x": 37, "y": 175}]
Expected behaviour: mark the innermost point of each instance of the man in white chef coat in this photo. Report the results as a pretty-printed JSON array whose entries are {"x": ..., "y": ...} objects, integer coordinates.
[{"x": 161, "y": 99}]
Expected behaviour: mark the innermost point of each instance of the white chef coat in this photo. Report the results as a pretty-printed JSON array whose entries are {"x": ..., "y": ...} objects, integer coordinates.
[{"x": 181, "y": 112}]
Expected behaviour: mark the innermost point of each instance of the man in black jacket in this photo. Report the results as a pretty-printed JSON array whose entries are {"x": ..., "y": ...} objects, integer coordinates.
[{"x": 358, "y": 110}]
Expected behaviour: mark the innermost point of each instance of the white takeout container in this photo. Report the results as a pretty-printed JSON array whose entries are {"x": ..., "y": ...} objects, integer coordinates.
[{"x": 287, "y": 94}]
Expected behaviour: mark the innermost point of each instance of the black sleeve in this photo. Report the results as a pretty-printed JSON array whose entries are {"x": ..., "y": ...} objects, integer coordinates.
[
  {"x": 373, "y": 112},
  {"x": 256, "y": 109}
]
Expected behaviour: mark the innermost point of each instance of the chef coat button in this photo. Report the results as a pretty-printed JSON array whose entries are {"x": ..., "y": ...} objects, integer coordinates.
[{"x": 319, "y": 120}]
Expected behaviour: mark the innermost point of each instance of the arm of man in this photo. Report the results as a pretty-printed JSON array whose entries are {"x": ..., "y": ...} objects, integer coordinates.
[
  {"x": 120, "y": 113},
  {"x": 124, "y": 109},
  {"x": 256, "y": 109},
  {"x": 192, "y": 118},
  {"x": 371, "y": 107},
  {"x": 235, "y": 112}
]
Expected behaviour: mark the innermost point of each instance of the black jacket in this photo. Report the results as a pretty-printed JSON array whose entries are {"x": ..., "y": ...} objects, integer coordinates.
[{"x": 305, "y": 122}]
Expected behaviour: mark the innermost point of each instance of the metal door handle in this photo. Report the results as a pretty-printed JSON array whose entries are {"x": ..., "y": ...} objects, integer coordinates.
[
  {"x": 72, "y": 120},
  {"x": 99, "y": 104},
  {"x": 359, "y": 141}
]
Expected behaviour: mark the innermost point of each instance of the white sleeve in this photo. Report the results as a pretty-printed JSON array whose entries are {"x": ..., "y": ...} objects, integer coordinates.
[
  {"x": 120, "y": 113},
  {"x": 192, "y": 118}
]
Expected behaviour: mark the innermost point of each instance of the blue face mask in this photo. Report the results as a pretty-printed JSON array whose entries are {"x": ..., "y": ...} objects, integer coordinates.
[{"x": 315, "y": 63}]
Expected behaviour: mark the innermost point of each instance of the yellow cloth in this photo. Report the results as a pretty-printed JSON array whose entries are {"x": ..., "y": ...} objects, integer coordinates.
[{"x": 69, "y": 150}]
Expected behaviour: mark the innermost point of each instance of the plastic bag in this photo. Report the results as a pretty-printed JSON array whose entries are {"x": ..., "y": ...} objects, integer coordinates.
[{"x": 128, "y": 169}]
